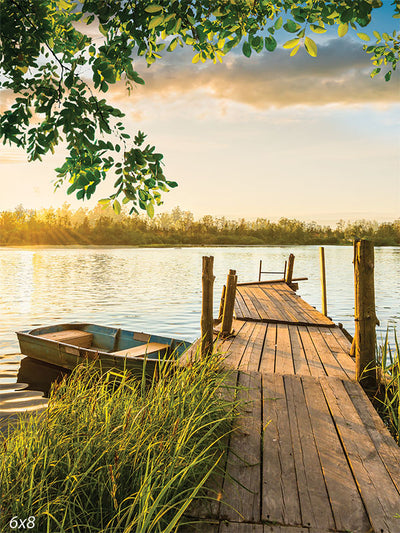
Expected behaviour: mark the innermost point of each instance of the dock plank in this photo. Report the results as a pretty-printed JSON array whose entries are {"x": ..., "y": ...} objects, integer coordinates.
[
  {"x": 384, "y": 443},
  {"x": 242, "y": 479},
  {"x": 267, "y": 362},
  {"x": 314, "y": 500},
  {"x": 328, "y": 360},
  {"x": 284, "y": 359},
  {"x": 378, "y": 492},
  {"x": 300, "y": 363},
  {"x": 280, "y": 498},
  {"x": 347, "y": 507},
  {"x": 314, "y": 362}
]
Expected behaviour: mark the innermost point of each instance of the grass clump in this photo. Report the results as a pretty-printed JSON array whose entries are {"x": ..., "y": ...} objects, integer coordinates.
[
  {"x": 114, "y": 454},
  {"x": 389, "y": 390}
]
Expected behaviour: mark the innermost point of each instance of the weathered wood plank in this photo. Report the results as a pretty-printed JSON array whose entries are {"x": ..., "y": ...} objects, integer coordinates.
[
  {"x": 241, "y": 489},
  {"x": 238, "y": 345},
  {"x": 330, "y": 363},
  {"x": 380, "y": 436},
  {"x": 267, "y": 363},
  {"x": 280, "y": 499},
  {"x": 313, "y": 360},
  {"x": 378, "y": 492},
  {"x": 342, "y": 339},
  {"x": 284, "y": 359},
  {"x": 348, "y": 509},
  {"x": 299, "y": 358},
  {"x": 314, "y": 501},
  {"x": 252, "y": 354},
  {"x": 245, "y": 293},
  {"x": 209, "y": 505},
  {"x": 342, "y": 357}
]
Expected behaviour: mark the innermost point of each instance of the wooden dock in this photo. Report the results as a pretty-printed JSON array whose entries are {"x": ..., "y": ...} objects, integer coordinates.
[{"x": 309, "y": 453}]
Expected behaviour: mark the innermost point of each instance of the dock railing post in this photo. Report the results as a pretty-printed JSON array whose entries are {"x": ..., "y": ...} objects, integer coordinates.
[
  {"x": 364, "y": 313},
  {"x": 289, "y": 270},
  {"x": 323, "y": 281},
  {"x": 207, "y": 306},
  {"x": 229, "y": 303}
]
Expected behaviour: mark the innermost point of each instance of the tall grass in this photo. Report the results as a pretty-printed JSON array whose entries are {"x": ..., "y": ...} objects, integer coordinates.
[
  {"x": 113, "y": 454},
  {"x": 389, "y": 393}
]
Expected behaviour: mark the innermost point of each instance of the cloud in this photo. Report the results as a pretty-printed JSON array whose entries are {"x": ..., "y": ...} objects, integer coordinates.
[{"x": 340, "y": 75}]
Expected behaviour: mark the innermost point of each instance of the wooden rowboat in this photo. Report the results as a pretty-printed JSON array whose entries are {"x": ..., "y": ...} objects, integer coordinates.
[{"x": 67, "y": 345}]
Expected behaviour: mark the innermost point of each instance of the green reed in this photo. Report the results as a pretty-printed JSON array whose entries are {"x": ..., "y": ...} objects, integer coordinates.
[
  {"x": 115, "y": 454},
  {"x": 389, "y": 393}
]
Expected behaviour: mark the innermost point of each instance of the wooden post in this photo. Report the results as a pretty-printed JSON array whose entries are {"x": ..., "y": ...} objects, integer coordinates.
[
  {"x": 229, "y": 304},
  {"x": 364, "y": 313},
  {"x": 323, "y": 281},
  {"x": 259, "y": 272},
  {"x": 221, "y": 305},
  {"x": 289, "y": 270},
  {"x": 207, "y": 306}
]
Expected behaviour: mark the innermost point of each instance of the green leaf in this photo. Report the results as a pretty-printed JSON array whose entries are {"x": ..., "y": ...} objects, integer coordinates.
[
  {"x": 153, "y": 8},
  {"x": 117, "y": 207},
  {"x": 295, "y": 50},
  {"x": 388, "y": 75},
  {"x": 270, "y": 44},
  {"x": 278, "y": 23},
  {"x": 246, "y": 49},
  {"x": 317, "y": 29},
  {"x": 172, "y": 45},
  {"x": 292, "y": 43},
  {"x": 103, "y": 30},
  {"x": 156, "y": 21},
  {"x": 343, "y": 29},
  {"x": 104, "y": 201},
  {"x": 311, "y": 47},
  {"x": 291, "y": 26},
  {"x": 150, "y": 210},
  {"x": 172, "y": 184},
  {"x": 375, "y": 72},
  {"x": 364, "y": 36}
]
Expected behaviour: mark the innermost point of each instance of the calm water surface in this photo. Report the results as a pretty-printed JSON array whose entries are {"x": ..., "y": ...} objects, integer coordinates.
[{"x": 158, "y": 290}]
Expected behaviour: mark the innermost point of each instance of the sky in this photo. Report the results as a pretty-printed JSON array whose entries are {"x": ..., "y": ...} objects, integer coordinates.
[{"x": 270, "y": 136}]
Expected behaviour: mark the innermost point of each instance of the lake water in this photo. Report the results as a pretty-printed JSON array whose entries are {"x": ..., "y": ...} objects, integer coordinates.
[{"x": 158, "y": 290}]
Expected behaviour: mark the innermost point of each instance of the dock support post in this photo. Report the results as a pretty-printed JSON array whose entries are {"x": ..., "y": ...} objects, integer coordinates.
[
  {"x": 364, "y": 313},
  {"x": 207, "y": 306},
  {"x": 229, "y": 304},
  {"x": 289, "y": 270},
  {"x": 221, "y": 305},
  {"x": 323, "y": 281}
]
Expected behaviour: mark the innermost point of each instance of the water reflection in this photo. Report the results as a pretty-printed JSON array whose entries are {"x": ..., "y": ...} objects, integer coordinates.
[{"x": 158, "y": 290}]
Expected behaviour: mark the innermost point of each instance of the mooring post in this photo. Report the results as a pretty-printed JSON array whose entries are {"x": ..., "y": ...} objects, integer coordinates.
[
  {"x": 364, "y": 313},
  {"x": 289, "y": 270},
  {"x": 221, "y": 305},
  {"x": 207, "y": 306},
  {"x": 323, "y": 281},
  {"x": 229, "y": 304},
  {"x": 259, "y": 272}
]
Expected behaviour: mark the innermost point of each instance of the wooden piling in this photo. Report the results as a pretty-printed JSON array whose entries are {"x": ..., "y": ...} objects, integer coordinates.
[
  {"x": 323, "y": 281},
  {"x": 289, "y": 270},
  {"x": 364, "y": 314},
  {"x": 229, "y": 304},
  {"x": 221, "y": 305},
  {"x": 207, "y": 306}
]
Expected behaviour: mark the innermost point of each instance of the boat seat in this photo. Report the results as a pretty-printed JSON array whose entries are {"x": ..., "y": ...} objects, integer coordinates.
[
  {"x": 143, "y": 349},
  {"x": 76, "y": 337}
]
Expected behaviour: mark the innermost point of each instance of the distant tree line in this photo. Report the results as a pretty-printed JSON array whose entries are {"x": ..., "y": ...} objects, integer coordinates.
[{"x": 102, "y": 226}]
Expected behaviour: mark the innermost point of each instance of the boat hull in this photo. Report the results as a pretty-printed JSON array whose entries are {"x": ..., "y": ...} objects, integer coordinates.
[{"x": 42, "y": 344}]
